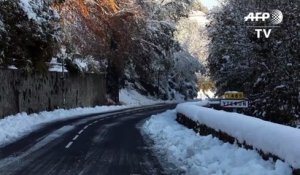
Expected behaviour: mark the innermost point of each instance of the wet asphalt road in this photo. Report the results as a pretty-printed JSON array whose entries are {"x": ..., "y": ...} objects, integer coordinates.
[{"x": 104, "y": 144}]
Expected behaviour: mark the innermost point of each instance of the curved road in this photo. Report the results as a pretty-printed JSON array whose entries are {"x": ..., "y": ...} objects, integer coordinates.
[{"x": 103, "y": 144}]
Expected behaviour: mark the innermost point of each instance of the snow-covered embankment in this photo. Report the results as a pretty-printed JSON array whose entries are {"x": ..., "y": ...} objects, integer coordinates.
[
  {"x": 279, "y": 140},
  {"x": 16, "y": 126},
  {"x": 193, "y": 154}
]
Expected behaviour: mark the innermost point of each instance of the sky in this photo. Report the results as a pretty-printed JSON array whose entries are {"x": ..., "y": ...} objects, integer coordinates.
[{"x": 210, "y": 3}]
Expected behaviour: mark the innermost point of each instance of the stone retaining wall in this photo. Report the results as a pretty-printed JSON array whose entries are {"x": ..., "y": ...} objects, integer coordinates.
[{"x": 20, "y": 92}]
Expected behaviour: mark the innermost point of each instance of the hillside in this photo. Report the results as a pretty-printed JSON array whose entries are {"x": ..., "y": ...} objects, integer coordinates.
[{"x": 133, "y": 41}]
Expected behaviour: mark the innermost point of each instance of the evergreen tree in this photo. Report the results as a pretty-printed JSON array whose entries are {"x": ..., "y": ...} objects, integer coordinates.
[{"x": 266, "y": 69}]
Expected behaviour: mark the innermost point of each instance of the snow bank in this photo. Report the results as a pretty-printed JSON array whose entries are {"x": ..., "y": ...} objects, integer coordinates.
[
  {"x": 279, "y": 140},
  {"x": 16, "y": 126},
  {"x": 205, "y": 155},
  {"x": 132, "y": 97}
]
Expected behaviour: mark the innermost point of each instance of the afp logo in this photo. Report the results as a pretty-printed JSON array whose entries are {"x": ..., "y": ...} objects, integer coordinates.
[{"x": 275, "y": 17}]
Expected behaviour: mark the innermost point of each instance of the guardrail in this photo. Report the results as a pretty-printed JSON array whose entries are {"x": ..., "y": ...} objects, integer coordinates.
[{"x": 207, "y": 127}]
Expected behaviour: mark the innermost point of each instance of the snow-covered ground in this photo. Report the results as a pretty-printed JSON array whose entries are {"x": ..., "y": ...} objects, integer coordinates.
[
  {"x": 205, "y": 155},
  {"x": 15, "y": 126},
  {"x": 132, "y": 97}
]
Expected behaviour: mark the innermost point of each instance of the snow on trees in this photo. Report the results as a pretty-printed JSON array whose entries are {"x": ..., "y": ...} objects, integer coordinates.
[
  {"x": 131, "y": 37},
  {"x": 267, "y": 70},
  {"x": 28, "y": 38}
]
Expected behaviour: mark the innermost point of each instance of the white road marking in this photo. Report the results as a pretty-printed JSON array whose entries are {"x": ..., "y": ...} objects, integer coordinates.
[
  {"x": 81, "y": 131},
  {"x": 69, "y": 144},
  {"x": 76, "y": 137},
  {"x": 86, "y": 127}
]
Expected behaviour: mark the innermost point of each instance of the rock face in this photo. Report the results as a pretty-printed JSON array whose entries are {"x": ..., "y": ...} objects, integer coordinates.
[{"x": 34, "y": 93}]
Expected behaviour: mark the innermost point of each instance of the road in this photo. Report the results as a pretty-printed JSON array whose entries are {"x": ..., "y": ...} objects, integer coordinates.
[{"x": 105, "y": 144}]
